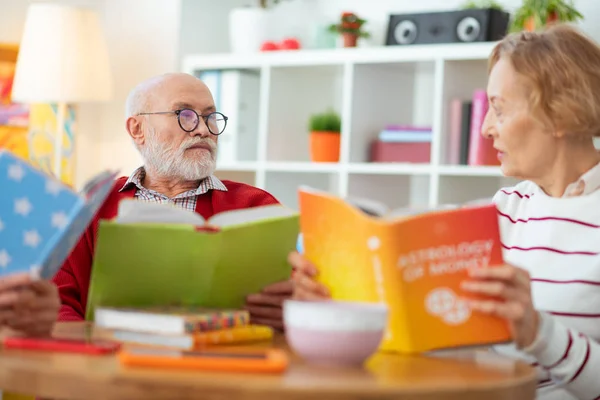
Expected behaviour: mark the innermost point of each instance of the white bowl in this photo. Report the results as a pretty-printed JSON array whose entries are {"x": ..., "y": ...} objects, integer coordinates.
[{"x": 334, "y": 332}]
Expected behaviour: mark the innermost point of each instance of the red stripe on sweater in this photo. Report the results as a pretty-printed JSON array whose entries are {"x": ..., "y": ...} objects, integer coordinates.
[
  {"x": 544, "y": 383},
  {"x": 565, "y": 355},
  {"x": 585, "y": 360},
  {"x": 575, "y": 315},
  {"x": 579, "y": 253},
  {"x": 581, "y": 281},
  {"x": 517, "y": 193},
  {"x": 574, "y": 221}
]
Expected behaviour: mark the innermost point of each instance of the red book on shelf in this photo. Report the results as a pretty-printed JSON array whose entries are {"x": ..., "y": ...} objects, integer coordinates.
[{"x": 481, "y": 150}]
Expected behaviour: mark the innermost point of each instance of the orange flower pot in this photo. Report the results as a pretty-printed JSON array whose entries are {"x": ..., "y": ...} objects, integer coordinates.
[
  {"x": 325, "y": 146},
  {"x": 530, "y": 22},
  {"x": 350, "y": 39}
]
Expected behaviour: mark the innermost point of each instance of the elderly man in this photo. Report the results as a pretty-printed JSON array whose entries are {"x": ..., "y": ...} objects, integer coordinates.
[{"x": 174, "y": 124}]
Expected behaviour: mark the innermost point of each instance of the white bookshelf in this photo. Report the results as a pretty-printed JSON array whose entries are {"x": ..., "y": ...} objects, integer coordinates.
[{"x": 370, "y": 88}]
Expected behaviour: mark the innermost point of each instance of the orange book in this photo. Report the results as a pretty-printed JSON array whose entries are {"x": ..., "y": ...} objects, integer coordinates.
[
  {"x": 415, "y": 263},
  {"x": 250, "y": 360}
]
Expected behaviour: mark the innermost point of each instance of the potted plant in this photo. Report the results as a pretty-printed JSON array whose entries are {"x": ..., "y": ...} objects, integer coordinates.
[
  {"x": 249, "y": 26},
  {"x": 350, "y": 27},
  {"x": 535, "y": 14},
  {"x": 325, "y": 135},
  {"x": 482, "y": 4}
]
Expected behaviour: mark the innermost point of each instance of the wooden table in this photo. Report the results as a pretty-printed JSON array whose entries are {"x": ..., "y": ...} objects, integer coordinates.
[{"x": 473, "y": 375}]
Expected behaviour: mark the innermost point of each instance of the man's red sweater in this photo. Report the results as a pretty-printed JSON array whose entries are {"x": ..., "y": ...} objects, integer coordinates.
[{"x": 73, "y": 279}]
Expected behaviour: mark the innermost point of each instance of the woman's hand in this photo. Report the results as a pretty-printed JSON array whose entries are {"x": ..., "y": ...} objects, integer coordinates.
[
  {"x": 305, "y": 286},
  {"x": 29, "y": 307},
  {"x": 509, "y": 289}
]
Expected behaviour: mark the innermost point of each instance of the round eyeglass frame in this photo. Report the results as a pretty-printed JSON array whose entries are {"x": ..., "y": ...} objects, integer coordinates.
[{"x": 198, "y": 116}]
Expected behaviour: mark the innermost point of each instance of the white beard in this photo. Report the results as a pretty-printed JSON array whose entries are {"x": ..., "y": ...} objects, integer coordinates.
[{"x": 171, "y": 162}]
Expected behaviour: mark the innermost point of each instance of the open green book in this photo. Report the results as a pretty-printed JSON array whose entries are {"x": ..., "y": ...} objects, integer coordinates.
[{"x": 155, "y": 254}]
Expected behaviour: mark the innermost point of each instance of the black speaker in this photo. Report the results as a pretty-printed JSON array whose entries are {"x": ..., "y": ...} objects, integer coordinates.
[{"x": 463, "y": 26}]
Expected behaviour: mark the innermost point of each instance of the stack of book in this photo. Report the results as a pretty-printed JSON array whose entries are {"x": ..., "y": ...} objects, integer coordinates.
[
  {"x": 402, "y": 143},
  {"x": 189, "y": 328},
  {"x": 465, "y": 144}
]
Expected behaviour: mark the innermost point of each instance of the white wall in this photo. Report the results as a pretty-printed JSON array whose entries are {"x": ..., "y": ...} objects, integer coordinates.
[
  {"x": 204, "y": 24},
  {"x": 143, "y": 41}
]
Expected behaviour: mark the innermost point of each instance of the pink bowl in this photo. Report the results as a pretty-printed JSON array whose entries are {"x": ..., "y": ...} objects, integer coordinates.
[{"x": 332, "y": 332}]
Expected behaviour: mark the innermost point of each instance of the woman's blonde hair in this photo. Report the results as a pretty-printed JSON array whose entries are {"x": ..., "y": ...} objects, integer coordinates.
[{"x": 561, "y": 67}]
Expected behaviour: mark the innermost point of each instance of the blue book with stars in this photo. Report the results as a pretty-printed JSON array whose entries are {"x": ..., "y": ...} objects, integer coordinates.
[{"x": 41, "y": 219}]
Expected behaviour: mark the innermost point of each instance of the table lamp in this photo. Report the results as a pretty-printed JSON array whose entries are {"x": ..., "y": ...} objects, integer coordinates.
[{"x": 63, "y": 58}]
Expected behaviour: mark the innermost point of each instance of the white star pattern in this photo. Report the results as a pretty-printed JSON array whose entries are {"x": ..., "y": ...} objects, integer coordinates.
[
  {"x": 4, "y": 259},
  {"x": 23, "y": 206},
  {"x": 31, "y": 238},
  {"x": 36, "y": 211},
  {"x": 16, "y": 172},
  {"x": 53, "y": 187},
  {"x": 59, "y": 220}
]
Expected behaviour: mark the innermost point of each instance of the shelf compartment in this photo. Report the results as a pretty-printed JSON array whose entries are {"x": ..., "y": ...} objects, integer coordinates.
[
  {"x": 394, "y": 191},
  {"x": 390, "y": 168},
  {"x": 462, "y": 189},
  {"x": 247, "y": 177},
  {"x": 388, "y": 94},
  {"x": 284, "y": 185},
  {"x": 295, "y": 94},
  {"x": 461, "y": 79},
  {"x": 466, "y": 170},
  {"x": 312, "y": 167}
]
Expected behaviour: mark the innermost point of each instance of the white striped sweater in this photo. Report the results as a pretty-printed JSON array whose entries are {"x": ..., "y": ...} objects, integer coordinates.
[{"x": 558, "y": 241}]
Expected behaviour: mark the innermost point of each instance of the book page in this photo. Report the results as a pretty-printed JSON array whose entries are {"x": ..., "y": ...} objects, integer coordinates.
[
  {"x": 136, "y": 211},
  {"x": 368, "y": 206},
  {"x": 247, "y": 215}
]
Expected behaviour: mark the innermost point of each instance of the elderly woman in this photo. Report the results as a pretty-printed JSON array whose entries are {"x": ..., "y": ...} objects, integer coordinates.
[{"x": 544, "y": 94}]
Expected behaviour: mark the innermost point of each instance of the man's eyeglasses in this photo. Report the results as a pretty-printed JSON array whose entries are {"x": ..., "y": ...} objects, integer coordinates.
[{"x": 189, "y": 119}]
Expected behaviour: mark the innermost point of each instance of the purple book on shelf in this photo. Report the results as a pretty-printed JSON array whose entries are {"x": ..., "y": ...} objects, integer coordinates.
[{"x": 408, "y": 128}]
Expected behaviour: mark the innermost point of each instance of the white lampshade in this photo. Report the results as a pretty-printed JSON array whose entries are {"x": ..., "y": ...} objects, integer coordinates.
[{"x": 63, "y": 57}]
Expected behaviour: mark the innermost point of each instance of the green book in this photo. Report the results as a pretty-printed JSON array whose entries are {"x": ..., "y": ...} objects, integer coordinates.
[{"x": 156, "y": 254}]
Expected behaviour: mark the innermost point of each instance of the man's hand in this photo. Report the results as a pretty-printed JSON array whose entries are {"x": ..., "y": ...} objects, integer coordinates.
[
  {"x": 266, "y": 307},
  {"x": 29, "y": 307}
]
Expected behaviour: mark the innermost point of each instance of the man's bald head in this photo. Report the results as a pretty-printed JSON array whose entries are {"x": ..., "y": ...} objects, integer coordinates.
[
  {"x": 153, "y": 121},
  {"x": 144, "y": 96}
]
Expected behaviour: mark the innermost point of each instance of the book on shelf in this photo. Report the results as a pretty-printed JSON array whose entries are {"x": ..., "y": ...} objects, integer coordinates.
[
  {"x": 165, "y": 255},
  {"x": 465, "y": 144},
  {"x": 405, "y": 134},
  {"x": 414, "y": 261},
  {"x": 41, "y": 219},
  {"x": 402, "y": 143}
]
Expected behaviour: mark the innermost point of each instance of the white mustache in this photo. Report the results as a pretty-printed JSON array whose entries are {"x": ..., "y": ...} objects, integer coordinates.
[{"x": 211, "y": 145}]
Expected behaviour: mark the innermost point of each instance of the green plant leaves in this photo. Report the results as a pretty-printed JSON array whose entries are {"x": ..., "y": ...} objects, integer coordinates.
[{"x": 328, "y": 121}]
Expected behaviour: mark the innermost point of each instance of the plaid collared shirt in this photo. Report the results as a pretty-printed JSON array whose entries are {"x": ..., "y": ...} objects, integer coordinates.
[{"x": 185, "y": 200}]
